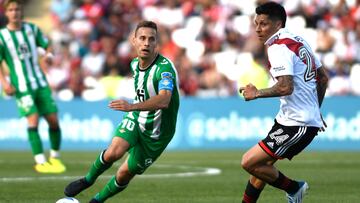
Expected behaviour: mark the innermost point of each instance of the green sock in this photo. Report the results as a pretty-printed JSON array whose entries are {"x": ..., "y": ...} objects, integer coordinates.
[
  {"x": 55, "y": 138},
  {"x": 35, "y": 142},
  {"x": 110, "y": 189},
  {"x": 97, "y": 168}
]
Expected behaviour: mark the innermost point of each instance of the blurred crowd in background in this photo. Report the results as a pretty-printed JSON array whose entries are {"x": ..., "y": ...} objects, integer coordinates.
[{"x": 211, "y": 42}]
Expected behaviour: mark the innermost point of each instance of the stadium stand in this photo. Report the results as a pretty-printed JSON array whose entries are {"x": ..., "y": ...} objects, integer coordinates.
[{"x": 211, "y": 43}]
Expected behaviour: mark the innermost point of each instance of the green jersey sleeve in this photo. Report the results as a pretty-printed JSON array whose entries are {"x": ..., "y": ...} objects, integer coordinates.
[{"x": 40, "y": 38}]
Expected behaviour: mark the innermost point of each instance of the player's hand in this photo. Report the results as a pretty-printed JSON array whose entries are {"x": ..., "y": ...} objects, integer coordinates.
[
  {"x": 9, "y": 89},
  {"x": 249, "y": 92},
  {"x": 322, "y": 129},
  {"x": 120, "y": 105}
]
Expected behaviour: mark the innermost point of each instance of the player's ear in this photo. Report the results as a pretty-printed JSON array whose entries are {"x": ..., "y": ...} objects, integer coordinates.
[
  {"x": 132, "y": 38},
  {"x": 278, "y": 24}
]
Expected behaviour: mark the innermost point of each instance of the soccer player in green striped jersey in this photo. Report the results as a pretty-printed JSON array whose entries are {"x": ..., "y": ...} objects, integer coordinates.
[
  {"x": 150, "y": 123},
  {"x": 19, "y": 43}
]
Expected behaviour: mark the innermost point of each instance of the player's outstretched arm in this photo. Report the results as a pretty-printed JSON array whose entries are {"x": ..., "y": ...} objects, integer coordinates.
[
  {"x": 160, "y": 101},
  {"x": 283, "y": 87}
]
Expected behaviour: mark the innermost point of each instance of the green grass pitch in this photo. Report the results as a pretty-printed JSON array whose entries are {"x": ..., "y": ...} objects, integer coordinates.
[{"x": 183, "y": 177}]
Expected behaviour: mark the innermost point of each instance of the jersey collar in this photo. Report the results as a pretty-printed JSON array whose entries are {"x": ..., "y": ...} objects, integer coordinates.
[
  {"x": 275, "y": 36},
  {"x": 152, "y": 63}
]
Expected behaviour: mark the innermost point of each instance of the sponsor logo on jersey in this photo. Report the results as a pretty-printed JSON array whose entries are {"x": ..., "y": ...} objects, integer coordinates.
[
  {"x": 24, "y": 51},
  {"x": 280, "y": 68}
]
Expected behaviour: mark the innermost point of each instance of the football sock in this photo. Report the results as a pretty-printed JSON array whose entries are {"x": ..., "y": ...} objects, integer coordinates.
[
  {"x": 55, "y": 138},
  {"x": 35, "y": 142},
  {"x": 110, "y": 189},
  {"x": 285, "y": 183},
  {"x": 97, "y": 168},
  {"x": 251, "y": 193},
  {"x": 54, "y": 153},
  {"x": 40, "y": 158}
]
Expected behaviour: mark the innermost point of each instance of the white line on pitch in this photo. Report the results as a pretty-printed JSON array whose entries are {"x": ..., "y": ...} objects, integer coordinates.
[{"x": 205, "y": 172}]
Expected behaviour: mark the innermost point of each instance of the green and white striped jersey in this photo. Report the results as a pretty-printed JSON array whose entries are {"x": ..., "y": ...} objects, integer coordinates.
[
  {"x": 19, "y": 50},
  {"x": 161, "y": 122}
]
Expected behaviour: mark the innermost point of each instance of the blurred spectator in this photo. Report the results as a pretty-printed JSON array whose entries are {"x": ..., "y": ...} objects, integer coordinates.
[
  {"x": 339, "y": 83},
  {"x": 61, "y": 10},
  {"x": 93, "y": 62},
  {"x": 212, "y": 43}
]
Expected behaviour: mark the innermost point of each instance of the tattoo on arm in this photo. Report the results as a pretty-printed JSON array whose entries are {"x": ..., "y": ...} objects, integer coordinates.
[
  {"x": 283, "y": 87},
  {"x": 322, "y": 81}
]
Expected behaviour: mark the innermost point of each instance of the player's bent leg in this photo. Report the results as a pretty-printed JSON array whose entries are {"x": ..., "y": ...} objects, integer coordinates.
[
  {"x": 116, "y": 184},
  {"x": 98, "y": 167},
  {"x": 253, "y": 189},
  {"x": 259, "y": 164},
  {"x": 118, "y": 147}
]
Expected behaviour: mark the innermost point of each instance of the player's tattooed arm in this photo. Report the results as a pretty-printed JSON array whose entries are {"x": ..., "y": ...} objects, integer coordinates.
[
  {"x": 322, "y": 82},
  {"x": 283, "y": 87}
]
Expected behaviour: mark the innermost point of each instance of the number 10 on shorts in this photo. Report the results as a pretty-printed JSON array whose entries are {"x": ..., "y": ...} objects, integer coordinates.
[{"x": 128, "y": 124}]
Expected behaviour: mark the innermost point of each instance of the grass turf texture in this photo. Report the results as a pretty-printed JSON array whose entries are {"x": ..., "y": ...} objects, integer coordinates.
[{"x": 333, "y": 178}]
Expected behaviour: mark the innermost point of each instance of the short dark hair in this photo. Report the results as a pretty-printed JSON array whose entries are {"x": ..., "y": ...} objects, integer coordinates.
[
  {"x": 145, "y": 23},
  {"x": 274, "y": 10}
]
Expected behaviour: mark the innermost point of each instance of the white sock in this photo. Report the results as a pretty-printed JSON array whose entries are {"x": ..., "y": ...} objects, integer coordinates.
[
  {"x": 54, "y": 153},
  {"x": 40, "y": 158}
]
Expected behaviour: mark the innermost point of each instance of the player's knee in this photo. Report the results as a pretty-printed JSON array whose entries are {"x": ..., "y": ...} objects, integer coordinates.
[
  {"x": 246, "y": 164},
  {"x": 111, "y": 155},
  {"x": 123, "y": 177}
]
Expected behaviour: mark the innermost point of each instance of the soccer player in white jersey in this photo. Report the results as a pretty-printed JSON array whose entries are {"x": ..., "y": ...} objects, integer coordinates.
[
  {"x": 19, "y": 42},
  {"x": 149, "y": 124},
  {"x": 301, "y": 84}
]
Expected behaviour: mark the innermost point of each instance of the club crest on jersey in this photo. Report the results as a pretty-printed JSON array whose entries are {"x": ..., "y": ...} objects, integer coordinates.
[
  {"x": 24, "y": 52},
  {"x": 166, "y": 75},
  {"x": 166, "y": 82},
  {"x": 148, "y": 162}
]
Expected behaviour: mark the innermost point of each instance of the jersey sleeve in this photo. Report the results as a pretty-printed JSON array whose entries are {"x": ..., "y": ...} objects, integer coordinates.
[
  {"x": 41, "y": 39},
  {"x": 1, "y": 51},
  {"x": 166, "y": 76},
  {"x": 318, "y": 63},
  {"x": 281, "y": 60}
]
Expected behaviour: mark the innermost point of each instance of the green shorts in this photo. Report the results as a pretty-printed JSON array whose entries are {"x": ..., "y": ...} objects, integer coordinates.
[
  {"x": 38, "y": 101},
  {"x": 143, "y": 150}
]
